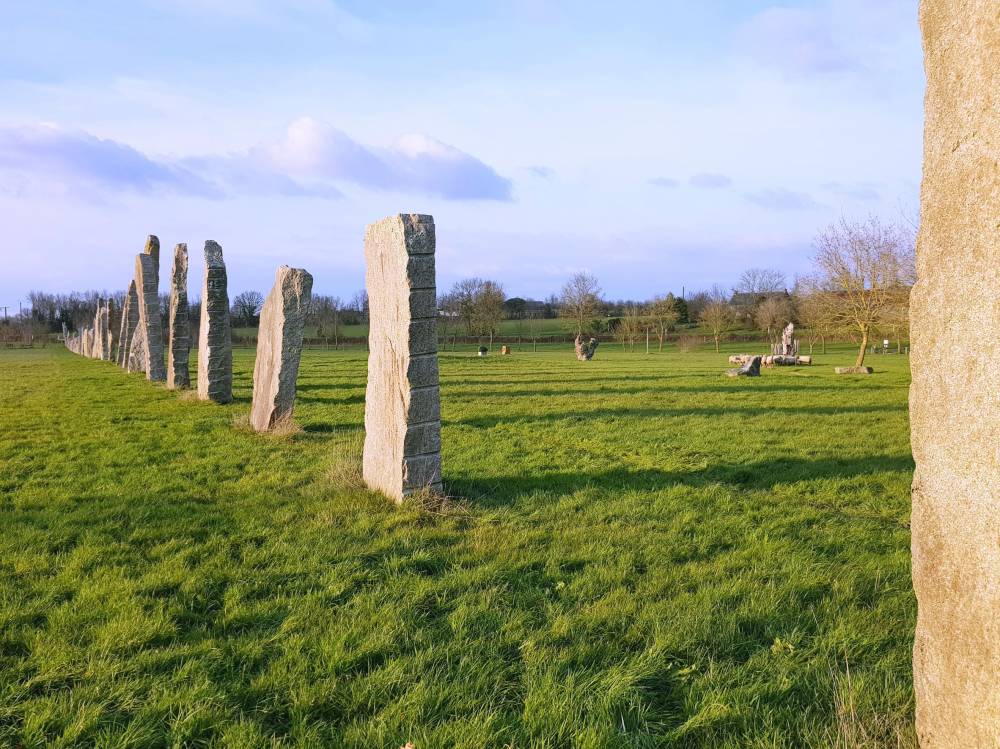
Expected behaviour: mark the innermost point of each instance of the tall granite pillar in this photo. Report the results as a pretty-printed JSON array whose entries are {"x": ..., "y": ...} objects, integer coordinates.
[
  {"x": 150, "y": 326},
  {"x": 215, "y": 352},
  {"x": 402, "y": 452},
  {"x": 955, "y": 391},
  {"x": 279, "y": 347},
  {"x": 179, "y": 336}
]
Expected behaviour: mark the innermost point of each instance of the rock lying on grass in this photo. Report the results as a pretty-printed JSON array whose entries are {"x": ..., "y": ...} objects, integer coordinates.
[
  {"x": 750, "y": 369},
  {"x": 853, "y": 370}
]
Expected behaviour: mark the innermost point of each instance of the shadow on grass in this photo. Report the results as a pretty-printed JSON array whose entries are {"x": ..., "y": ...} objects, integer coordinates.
[
  {"x": 486, "y": 422},
  {"x": 505, "y": 490}
]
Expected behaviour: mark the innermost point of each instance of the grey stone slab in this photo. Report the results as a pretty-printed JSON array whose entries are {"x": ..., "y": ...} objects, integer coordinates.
[
  {"x": 215, "y": 349},
  {"x": 279, "y": 347},
  {"x": 179, "y": 323},
  {"x": 402, "y": 401}
]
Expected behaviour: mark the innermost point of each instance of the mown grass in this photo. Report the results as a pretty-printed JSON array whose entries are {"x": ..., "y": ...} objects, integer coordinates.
[{"x": 642, "y": 553}]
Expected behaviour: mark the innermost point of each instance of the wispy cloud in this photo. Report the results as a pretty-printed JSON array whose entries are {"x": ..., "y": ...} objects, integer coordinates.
[
  {"x": 710, "y": 181},
  {"x": 663, "y": 182},
  {"x": 863, "y": 191},
  {"x": 781, "y": 199},
  {"x": 72, "y": 156},
  {"x": 311, "y": 159},
  {"x": 542, "y": 172}
]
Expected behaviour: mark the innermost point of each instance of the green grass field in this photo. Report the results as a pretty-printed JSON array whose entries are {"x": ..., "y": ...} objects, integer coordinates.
[{"x": 641, "y": 553}]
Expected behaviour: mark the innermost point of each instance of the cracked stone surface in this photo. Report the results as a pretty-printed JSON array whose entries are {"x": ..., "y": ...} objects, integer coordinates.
[
  {"x": 279, "y": 347},
  {"x": 955, "y": 392},
  {"x": 402, "y": 452}
]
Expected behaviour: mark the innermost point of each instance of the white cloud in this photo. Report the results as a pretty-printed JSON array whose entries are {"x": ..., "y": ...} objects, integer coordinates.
[{"x": 312, "y": 159}]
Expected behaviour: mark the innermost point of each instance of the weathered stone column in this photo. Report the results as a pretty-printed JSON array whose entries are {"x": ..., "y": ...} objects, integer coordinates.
[
  {"x": 279, "y": 347},
  {"x": 150, "y": 327},
  {"x": 130, "y": 321},
  {"x": 179, "y": 345},
  {"x": 955, "y": 395},
  {"x": 402, "y": 451},
  {"x": 215, "y": 352}
]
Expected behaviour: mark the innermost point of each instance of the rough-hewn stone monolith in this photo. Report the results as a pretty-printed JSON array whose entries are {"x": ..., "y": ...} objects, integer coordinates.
[
  {"x": 402, "y": 451},
  {"x": 215, "y": 352},
  {"x": 179, "y": 325},
  {"x": 955, "y": 392},
  {"x": 150, "y": 325},
  {"x": 279, "y": 347},
  {"x": 130, "y": 322}
]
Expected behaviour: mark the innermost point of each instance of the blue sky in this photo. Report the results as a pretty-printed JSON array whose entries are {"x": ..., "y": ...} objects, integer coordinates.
[{"x": 658, "y": 145}]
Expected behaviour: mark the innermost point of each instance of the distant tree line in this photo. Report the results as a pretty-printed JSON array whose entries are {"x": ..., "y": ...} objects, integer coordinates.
[{"x": 858, "y": 288}]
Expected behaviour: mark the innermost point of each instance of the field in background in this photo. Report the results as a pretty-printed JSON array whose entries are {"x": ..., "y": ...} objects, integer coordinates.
[{"x": 642, "y": 553}]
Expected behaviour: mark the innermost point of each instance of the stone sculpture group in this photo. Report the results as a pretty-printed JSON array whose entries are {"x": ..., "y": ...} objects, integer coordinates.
[
  {"x": 138, "y": 345},
  {"x": 402, "y": 452},
  {"x": 954, "y": 423}
]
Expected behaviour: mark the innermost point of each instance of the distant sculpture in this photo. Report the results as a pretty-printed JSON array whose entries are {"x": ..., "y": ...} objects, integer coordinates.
[
  {"x": 179, "y": 325},
  {"x": 954, "y": 419},
  {"x": 788, "y": 340},
  {"x": 215, "y": 352},
  {"x": 585, "y": 350},
  {"x": 749, "y": 369},
  {"x": 279, "y": 347},
  {"x": 402, "y": 452}
]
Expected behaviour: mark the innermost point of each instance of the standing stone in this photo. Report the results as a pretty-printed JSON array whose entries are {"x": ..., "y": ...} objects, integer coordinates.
[
  {"x": 150, "y": 326},
  {"x": 279, "y": 347},
  {"x": 179, "y": 337},
  {"x": 402, "y": 451},
  {"x": 955, "y": 392},
  {"x": 103, "y": 347},
  {"x": 215, "y": 352},
  {"x": 113, "y": 322},
  {"x": 130, "y": 321}
]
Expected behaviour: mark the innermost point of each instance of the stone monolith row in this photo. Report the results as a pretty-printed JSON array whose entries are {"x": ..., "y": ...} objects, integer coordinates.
[
  {"x": 215, "y": 353},
  {"x": 402, "y": 452},
  {"x": 279, "y": 347},
  {"x": 129, "y": 324},
  {"x": 179, "y": 326},
  {"x": 150, "y": 326},
  {"x": 955, "y": 391}
]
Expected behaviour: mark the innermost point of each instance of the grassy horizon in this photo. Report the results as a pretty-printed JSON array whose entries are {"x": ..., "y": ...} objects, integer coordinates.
[{"x": 640, "y": 552}]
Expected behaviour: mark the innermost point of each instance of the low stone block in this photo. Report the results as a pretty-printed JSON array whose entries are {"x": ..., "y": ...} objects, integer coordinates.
[{"x": 853, "y": 370}]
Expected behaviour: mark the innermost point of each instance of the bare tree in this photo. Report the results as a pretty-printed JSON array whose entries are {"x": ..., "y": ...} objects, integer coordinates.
[
  {"x": 324, "y": 313},
  {"x": 663, "y": 317},
  {"x": 479, "y": 304},
  {"x": 718, "y": 315},
  {"x": 629, "y": 326},
  {"x": 246, "y": 306},
  {"x": 581, "y": 301},
  {"x": 813, "y": 312},
  {"x": 864, "y": 270},
  {"x": 772, "y": 315},
  {"x": 761, "y": 281}
]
